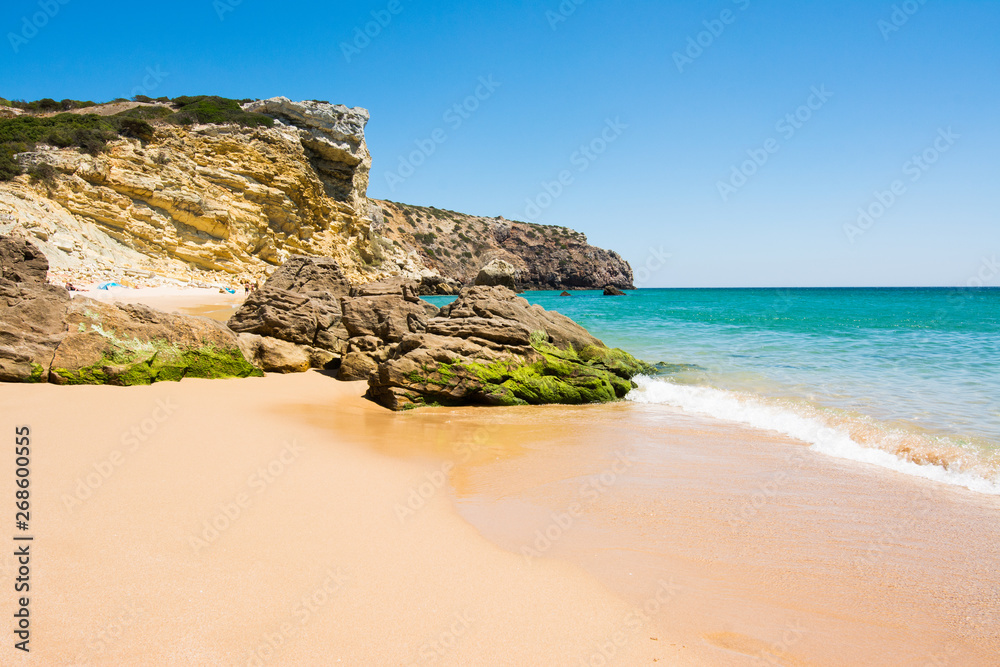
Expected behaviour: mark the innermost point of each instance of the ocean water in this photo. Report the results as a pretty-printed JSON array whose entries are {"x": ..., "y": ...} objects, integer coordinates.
[{"x": 905, "y": 378}]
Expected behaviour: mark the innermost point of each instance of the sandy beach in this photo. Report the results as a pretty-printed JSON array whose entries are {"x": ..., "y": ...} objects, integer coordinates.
[
  {"x": 205, "y": 301},
  {"x": 285, "y": 520}
]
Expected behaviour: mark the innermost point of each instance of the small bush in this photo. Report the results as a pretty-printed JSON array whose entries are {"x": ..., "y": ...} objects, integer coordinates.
[
  {"x": 133, "y": 127},
  {"x": 213, "y": 109},
  {"x": 161, "y": 159},
  {"x": 43, "y": 172},
  {"x": 9, "y": 168}
]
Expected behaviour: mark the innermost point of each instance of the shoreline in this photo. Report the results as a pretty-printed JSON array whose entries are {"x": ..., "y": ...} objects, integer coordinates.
[{"x": 655, "y": 532}]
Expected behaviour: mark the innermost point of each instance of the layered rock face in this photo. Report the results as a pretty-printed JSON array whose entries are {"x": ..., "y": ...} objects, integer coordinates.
[
  {"x": 491, "y": 347},
  {"x": 212, "y": 198},
  {"x": 333, "y": 137},
  {"x": 46, "y": 336}
]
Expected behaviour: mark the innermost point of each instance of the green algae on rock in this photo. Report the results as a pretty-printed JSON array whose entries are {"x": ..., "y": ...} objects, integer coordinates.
[
  {"x": 47, "y": 336},
  {"x": 135, "y": 345},
  {"x": 490, "y": 347}
]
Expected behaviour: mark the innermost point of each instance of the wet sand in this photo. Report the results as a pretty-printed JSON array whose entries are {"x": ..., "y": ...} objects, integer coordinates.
[
  {"x": 780, "y": 555},
  {"x": 619, "y": 534}
]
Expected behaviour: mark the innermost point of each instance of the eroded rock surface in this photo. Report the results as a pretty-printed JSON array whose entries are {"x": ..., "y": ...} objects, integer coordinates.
[{"x": 492, "y": 347}]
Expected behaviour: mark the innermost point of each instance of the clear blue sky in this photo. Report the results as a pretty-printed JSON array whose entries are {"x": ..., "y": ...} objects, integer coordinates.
[{"x": 688, "y": 123}]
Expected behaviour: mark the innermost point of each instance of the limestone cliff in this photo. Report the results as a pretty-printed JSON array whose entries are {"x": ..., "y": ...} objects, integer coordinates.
[{"x": 225, "y": 203}]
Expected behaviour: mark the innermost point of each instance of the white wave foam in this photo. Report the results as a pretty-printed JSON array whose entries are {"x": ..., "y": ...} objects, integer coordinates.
[{"x": 758, "y": 413}]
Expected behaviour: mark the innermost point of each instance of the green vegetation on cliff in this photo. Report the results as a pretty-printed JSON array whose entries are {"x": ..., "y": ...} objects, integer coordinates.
[{"x": 91, "y": 132}]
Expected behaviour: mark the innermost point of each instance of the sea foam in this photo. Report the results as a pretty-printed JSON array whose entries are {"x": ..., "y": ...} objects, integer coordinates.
[{"x": 827, "y": 432}]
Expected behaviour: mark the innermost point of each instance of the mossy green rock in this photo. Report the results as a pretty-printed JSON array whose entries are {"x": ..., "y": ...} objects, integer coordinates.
[
  {"x": 135, "y": 345},
  {"x": 492, "y": 357}
]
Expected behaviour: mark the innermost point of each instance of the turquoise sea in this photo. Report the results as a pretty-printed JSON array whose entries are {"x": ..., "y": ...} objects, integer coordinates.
[{"x": 905, "y": 378}]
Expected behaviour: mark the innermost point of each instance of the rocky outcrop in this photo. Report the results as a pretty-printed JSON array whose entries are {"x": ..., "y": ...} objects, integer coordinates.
[
  {"x": 21, "y": 261},
  {"x": 46, "y": 336},
  {"x": 498, "y": 272},
  {"x": 300, "y": 305},
  {"x": 333, "y": 137},
  {"x": 611, "y": 290},
  {"x": 491, "y": 347},
  {"x": 543, "y": 257},
  {"x": 308, "y": 311},
  {"x": 32, "y": 313}
]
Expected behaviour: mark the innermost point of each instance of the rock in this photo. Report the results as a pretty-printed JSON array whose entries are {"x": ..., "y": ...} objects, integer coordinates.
[
  {"x": 356, "y": 366},
  {"x": 21, "y": 261},
  {"x": 32, "y": 324},
  {"x": 491, "y": 347},
  {"x": 565, "y": 294},
  {"x": 44, "y": 335},
  {"x": 611, "y": 290},
  {"x": 388, "y": 317},
  {"x": 133, "y": 344},
  {"x": 299, "y": 303},
  {"x": 273, "y": 355},
  {"x": 436, "y": 285},
  {"x": 334, "y": 137},
  {"x": 498, "y": 272},
  {"x": 308, "y": 304}
]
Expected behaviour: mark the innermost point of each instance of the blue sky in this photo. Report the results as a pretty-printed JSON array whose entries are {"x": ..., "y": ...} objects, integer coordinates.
[{"x": 895, "y": 80}]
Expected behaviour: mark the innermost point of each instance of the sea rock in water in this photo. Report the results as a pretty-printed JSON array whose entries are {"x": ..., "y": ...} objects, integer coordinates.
[
  {"x": 498, "y": 272},
  {"x": 565, "y": 294},
  {"x": 611, "y": 290},
  {"x": 492, "y": 347}
]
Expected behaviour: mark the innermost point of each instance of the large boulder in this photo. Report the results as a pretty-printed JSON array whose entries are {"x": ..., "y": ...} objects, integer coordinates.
[
  {"x": 44, "y": 335},
  {"x": 498, "y": 273},
  {"x": 492, "y": 347},
  {"x": 308, "y": 304},
  {"x": 299, "y": 304}
]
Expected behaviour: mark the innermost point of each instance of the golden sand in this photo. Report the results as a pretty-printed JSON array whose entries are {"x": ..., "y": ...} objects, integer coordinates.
[{"x": 287, "y": 521}]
